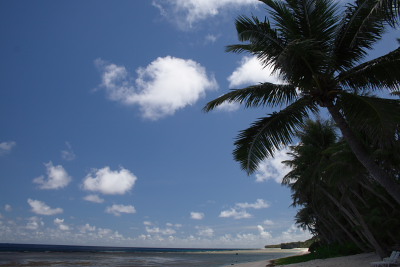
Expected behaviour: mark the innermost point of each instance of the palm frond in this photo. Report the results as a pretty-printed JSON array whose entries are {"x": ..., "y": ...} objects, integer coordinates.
[
  {"x": 361, "y": 27},
  {"x": 271, "y": 133},
  {"x": 376, "y": 118},
  {"x": 257, "y": 95},
  {"x": 306, "y": 26},
  {"x": 391, "y": 9},
  {"x": 379, "y": 73},
  {"x": 264, "y": 41},
  {"x": 396, "y": 93}
]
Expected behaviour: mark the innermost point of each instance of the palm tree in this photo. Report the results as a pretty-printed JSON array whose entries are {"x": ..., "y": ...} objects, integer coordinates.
[
  {"x": 320, "y": 54},
  {"x": 334, "y": 207}
]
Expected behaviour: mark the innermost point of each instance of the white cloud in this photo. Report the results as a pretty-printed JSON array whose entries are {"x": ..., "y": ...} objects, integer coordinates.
[
  {"x": 42, "y": 208},
  {"x": 239, "y": 211},
  {"x": 87, "y": 228},
  {"x": 160, "y": 231},
  {"x": 233, "y": 213},
  {"x": 160, "y": 89},
  {"x": 5, "y": 147},
  {"x": 68, "y": 154},
  {"x": 268, "y": 222},
  {"x": 177, "y": 225},
  {"x": 228, "y": 106},
  {"x": 205, "y": 231},
  {"x": 61, "y": 225},
  {"x": 294, "y": 234},
  {"x": 251, "y": 72},
  {"x": 273, "y": 168},
  {"x": 94, "y": 198},
  {"x": 109, "y": 182},
  {"x": 57, "y": 177},
  {"x": 185, "y": 13},
  {"x": 211, "y": 38},
  {"x": 118, "y": 209},
  {"x": 34, "y": 223},
  {"x": 7, "y": 207},
  {"x": 259, "y": 204},
  {"x": 196, "y": 215},
  {"x": 263, "y": 232}
]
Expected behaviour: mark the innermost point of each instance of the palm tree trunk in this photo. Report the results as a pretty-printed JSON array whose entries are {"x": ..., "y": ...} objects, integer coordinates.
[
  {"x": 358, "y": 220},
  {"x": 369, "y": 235},
  {"x": 377, "y": 194},
  {"x": 390, "y": 185},
  {"x": 360, "y": 245}
]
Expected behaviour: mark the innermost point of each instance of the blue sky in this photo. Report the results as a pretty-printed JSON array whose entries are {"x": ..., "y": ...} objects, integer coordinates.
[{"x": 103, "y": 138}]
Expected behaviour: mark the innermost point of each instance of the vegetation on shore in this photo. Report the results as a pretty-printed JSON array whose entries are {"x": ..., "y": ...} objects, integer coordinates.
[
  {"x": 290, "y": 245},
  {"x": 347, "y": 187}
]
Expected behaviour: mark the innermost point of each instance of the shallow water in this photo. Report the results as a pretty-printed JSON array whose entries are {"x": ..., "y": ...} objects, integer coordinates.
[
  {"x": 101, "y": 259},
  {"x": 63, "y": 256}
]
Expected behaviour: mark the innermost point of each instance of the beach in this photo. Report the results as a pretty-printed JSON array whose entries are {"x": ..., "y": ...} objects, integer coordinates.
[{"x": 358, "y": 260}]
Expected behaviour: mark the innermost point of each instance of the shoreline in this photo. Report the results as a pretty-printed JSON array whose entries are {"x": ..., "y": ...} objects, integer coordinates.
[
  {"x": 358, "y": 260},
  {"x": 264, "y": 263}
]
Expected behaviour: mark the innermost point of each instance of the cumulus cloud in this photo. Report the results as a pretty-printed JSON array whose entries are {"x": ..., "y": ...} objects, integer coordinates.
[
  {"x": 211, "y": 38},
  {"x": 268, "y": 222},
  {"x": 6, "y": 147},
  {"x": 160, "y": 231},
  {"x": 263, "y": 232},
  {"x": 185, "y": 13},
  {"x": 197, "y": 215},
  {"x": 273, "y": 168},
  {"x": 166, "y": 85},
  {"x": 239, "y": 210},
  {"x": 109, "y": 182},
  {"x": 259, "y": 204},
  {"x": 228, "y": 106},
  {"x": 233, "y": 213},
  {"x": 87, "y": 228},
  {"x": 205, "y": 231},
  {"x": 118, "y": 209},
  {"x": 295, "y": 234},
  {"x": 34, "y": 223},
  {"x": 61, "y": 225},
  {"x": 68, "y": 154},
  {"x": 57, "y": 177},
  {"x": 42, "y": 208},
  {"x": 7, "y": 207},
  {"x": 94, "y": 198},
  {"x": 251, "y": 72},
  {"x": 177, "y": 225}
]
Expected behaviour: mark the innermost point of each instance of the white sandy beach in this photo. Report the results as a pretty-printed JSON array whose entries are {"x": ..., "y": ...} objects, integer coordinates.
[{"x": 349, "y": 261}]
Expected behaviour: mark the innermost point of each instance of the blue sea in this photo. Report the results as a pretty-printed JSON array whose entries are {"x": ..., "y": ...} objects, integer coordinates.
[{"x": 66, "y": 256}]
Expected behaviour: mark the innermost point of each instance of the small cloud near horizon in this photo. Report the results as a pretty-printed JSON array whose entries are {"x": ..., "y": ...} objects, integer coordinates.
[{"x": 196, "y": 215}]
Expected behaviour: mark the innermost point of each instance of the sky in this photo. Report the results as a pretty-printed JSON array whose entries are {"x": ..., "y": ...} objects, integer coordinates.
[{"x": 103, "y": 139}]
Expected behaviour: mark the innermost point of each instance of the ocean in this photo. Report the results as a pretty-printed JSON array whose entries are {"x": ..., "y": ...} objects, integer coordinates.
[{"x": 65, "y": 256}]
